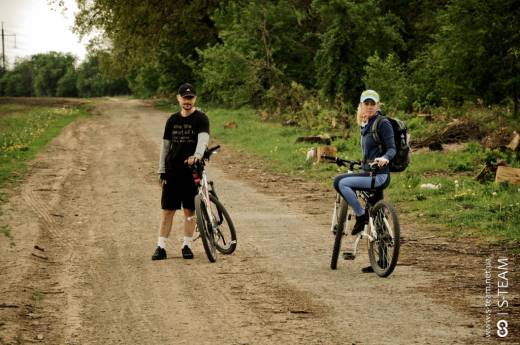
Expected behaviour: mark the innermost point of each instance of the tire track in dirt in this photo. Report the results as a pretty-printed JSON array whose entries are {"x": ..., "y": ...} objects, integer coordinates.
[{"x": 42, "y": 210}]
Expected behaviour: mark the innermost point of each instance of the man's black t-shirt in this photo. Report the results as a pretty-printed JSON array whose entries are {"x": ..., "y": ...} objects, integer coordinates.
[{"x": 182, "y": 133}]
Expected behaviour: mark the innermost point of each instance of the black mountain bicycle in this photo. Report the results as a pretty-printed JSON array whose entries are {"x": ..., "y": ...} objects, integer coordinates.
[
  {"x": 382, "y": 231},
  {"x": 214, "y": 225}
]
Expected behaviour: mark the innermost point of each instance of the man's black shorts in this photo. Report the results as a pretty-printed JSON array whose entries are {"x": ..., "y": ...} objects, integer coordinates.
[{"x": 178, "y": 192}]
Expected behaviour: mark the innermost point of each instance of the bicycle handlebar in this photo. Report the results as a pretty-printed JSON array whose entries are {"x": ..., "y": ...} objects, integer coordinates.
[
  {"x": 342, "y": 162},
  {"x": 210, "y": 151},
  {"x": 351, "y": 163},
  {"x": 198, "y": 166}
]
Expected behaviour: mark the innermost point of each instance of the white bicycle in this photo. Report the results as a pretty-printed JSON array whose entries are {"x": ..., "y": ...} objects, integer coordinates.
[
  {"x": 382, "y": 232},
  {"x": 214, "y": 224}
]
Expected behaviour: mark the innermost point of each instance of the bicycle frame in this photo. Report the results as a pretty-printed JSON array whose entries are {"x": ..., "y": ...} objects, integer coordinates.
[
  {"x": 369, "y": 231},
  {"x": 205, "y": 188}
]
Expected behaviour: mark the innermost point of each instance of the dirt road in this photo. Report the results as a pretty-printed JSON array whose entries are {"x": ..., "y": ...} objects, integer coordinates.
[{"x": 78, "y": 269}]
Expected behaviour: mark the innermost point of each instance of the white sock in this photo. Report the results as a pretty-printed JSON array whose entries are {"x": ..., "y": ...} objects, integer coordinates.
[
  {"x": 187, "y": 241},
  {"x": 162, "y": 242}
]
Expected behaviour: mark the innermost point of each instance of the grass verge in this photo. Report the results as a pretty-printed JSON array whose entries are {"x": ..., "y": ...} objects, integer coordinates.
[{"x": 25, "y": 130}]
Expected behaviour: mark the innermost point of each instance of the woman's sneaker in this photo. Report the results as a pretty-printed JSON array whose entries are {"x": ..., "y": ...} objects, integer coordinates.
[
  {"x": 361, "y": 221},
  {"x": 160, "y": 254}
]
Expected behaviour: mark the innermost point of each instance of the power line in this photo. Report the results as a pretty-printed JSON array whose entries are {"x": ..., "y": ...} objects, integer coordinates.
[{"x": 3, "y": 44}]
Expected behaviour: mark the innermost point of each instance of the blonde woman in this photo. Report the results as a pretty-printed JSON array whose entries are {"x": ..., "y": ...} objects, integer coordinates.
[{"x": 347, "y": 184}]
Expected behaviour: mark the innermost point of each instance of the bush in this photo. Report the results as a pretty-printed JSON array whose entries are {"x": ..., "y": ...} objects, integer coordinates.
[
  {"x": 47, "y": 70},
  {"x": 286, "y": 98},
  {"x": 492, "y": 157},
  {"x": 18, "y": 82},
  {"x": 67, "y": 84},
  {"x": 229, "y": 76},
  {"x": 389, "y": 79},
  {"x": 145, "y": 82},
  {"x": 92, "y": 82}
]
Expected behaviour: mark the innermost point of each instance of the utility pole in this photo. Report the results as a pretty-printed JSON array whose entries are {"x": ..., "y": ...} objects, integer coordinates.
[
  {"x": 3, "y": 47},
  {"x": 3, "y": 44}
]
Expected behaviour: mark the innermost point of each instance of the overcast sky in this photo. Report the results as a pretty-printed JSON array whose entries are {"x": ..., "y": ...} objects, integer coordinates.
[{"x": 38, "y": 28}]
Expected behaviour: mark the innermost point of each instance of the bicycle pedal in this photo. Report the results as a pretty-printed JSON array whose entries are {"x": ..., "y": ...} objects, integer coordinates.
[{"x": 348, "y": 255}]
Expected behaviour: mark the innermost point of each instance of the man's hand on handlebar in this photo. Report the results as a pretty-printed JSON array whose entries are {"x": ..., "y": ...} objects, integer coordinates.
[{"x": 191, "y": 160}]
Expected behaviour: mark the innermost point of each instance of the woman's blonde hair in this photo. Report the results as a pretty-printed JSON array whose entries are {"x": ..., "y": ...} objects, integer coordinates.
[{"x": 359, "y": 116}]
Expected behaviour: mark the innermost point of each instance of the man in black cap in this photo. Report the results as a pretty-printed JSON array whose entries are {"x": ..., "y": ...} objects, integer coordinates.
[{"x": 186, "y": 137}]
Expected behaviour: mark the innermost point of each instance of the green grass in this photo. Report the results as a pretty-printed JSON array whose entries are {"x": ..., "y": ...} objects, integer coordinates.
[
  {"x": 5, "y": 230},
  {"x": 461, "y": 206},
  {"x": 270, "y": 141},
  {"x": 37, "y": 296},
  {"x": 467, "y": 207},
  {"x": 25, "y": 130}
]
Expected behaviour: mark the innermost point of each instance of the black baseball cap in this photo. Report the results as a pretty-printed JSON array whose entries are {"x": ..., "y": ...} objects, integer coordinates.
[{"x": 187, "y": 90}]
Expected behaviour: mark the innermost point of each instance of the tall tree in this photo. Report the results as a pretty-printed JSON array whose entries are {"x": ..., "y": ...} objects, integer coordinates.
[
  {"x": 93, "y": 81},
  {"x": 264, "y": 44},
  {"x": 138, "y": 32},
  {"x": 477, "y": 52},
  {"x": 48, "y": 69},
  {"x": 18, "y": 82},
  {"x": 419, "y": 22},
  {"x": 67, "y": 84},
  {"x": 353, "y": 31}
]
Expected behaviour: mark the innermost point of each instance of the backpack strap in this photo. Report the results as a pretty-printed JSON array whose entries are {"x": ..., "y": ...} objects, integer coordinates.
[{"x": 374, "y": 131}]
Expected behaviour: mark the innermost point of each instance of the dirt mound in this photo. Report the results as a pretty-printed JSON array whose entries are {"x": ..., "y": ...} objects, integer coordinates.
[{"x": 455, "y": 132}]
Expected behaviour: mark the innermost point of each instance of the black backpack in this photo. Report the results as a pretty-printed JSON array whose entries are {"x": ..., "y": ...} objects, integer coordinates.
[{"x": 402, "y": 157}]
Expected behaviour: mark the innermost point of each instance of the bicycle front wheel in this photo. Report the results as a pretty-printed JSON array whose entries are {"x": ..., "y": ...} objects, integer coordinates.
[
  {"x": 384, "y": 251},
  {"x": 205, "y": 229},
  {"x": 340, "y": 228},
  {"x": 224, "y": 231}
]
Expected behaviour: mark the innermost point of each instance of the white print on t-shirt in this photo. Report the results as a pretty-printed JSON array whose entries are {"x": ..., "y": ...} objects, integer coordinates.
[{"x": 183, "y": 133}]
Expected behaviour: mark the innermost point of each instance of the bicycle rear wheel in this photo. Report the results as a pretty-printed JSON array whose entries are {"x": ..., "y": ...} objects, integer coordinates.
[
  {"x": 340, "y": 228},
  {"x": 224, "y": 231},
  {"x": 384, "y": 251},
  {"x": 205, "y": 229}
]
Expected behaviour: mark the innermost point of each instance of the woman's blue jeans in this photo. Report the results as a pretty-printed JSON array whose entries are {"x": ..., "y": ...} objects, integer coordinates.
[{"x": 347, "y": 184}]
